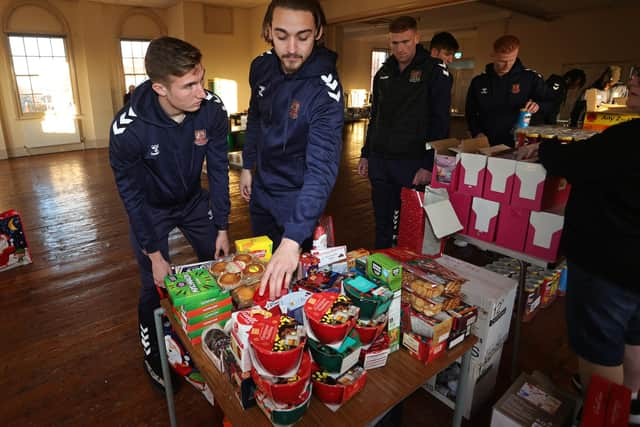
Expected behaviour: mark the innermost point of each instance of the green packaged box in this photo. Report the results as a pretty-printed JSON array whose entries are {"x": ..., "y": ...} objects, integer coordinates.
[
  {"x": 193, "y": 289},
  {"x": 382, "y": 268}
]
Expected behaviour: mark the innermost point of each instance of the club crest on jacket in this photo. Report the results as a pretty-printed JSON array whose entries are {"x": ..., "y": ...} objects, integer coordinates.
[
  {"x": 515, "y": 88},
  {"x": 294, "y": 109},
  {"x": 415, "y": 76},
  {"x": 201, "y": 137}
]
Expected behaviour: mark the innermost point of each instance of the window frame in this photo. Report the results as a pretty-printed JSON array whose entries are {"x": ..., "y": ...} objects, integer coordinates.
[
  {"x": 387, "y": 51},
  {"x": 124, "y": 73},
  {"x": 36, "y": 115}
]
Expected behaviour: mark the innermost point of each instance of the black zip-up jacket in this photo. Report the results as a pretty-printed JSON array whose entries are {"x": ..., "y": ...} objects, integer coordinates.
[
  {"x": 549, "y": 110},
  {"x": 602, "y": 220},
  {"x": 409, "y": 108},
  {"x": 157, "y": 163},
  {"x": 494, "y": 102}
]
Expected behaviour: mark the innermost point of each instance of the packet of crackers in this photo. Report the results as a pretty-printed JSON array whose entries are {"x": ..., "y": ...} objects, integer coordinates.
[{"x": 430, "y": 271}]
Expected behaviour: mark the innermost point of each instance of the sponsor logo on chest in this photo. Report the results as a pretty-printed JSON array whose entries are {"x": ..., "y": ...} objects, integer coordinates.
[{"x": 484, "y": 91}]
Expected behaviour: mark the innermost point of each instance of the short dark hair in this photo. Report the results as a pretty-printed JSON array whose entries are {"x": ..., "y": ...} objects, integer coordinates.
[
  {"x": 402, "y": 24},
  {"x": 576, "y": 75},
  {"x": 312, "y": 6},
  {"x": 168, "y": 56},
  {"x": 444, "y": 40}
]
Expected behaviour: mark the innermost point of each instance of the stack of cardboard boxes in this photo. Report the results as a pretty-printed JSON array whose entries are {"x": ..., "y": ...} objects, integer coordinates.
[{"x": 512, "y": 203}]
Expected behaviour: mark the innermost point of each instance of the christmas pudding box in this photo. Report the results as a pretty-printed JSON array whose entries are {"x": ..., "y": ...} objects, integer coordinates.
[
  {"x": 193, "y": 289},
  {"x": 377, "y": 354},
  {"x": 283, "y": 414},
  {"x": 276, "y": 350},
  {"x": 321, "y": 317},
  {"x": 337, "y": 361},
  {"x": 373, "y": 300},
  {"x": 242, "y": 322},
  {"x": 285, "y": 389},
  {"x": 437, "y": 327},
  {"x": 337, "y": 391}
]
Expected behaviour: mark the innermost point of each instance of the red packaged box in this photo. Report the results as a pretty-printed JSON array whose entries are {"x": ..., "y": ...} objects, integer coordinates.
[
  {"x": 513, "y": 223},
  {"x": 543, "y": 235},
  {"x": 14, "y": 250},
  {"x": 422, "y": 348},
  {"x": 498, "y": 180},
  {"x": 595, "y": 405},
  {"x": 619, "y": 407},
  {"x": 483, "y": 219},
  {"x": 471, "y": 171},
  {"x": 462, "y": 206}
]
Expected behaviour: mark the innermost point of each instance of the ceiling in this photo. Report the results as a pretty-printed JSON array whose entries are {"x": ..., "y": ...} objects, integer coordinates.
[
  {"x": 463, "y": 18},
  {"x": 168, "y": 3}
]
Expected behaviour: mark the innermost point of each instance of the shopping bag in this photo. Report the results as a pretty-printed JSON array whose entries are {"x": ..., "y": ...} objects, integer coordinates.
[
  {"x": 14, "y": 250},
  {"x": 412, "y": 219}
]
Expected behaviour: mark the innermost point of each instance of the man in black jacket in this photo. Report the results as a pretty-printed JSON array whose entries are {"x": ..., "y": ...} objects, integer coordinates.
[
  {"x": 558, "y": 87},
  {"x": 496, "y": 96},
  {"x": 601, "y": 236},
  {"x": 411, "y": 99}
]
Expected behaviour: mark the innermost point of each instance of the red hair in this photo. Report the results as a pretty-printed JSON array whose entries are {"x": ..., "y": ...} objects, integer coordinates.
[{"x": 506, "y": 44}]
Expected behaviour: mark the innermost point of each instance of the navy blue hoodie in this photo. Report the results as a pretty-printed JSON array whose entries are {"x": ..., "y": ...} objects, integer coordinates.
[
  {"x": 294, "y": 138},
  {"x": 494, "y": 102},
  {"x": 157, "y": 163}
]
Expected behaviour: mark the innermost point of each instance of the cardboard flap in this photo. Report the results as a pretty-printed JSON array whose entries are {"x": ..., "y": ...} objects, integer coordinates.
[
  {"x": 443, "y": 218},
  {"x": 500, "y": 170},
  {"x": 485, "y": 211},
  {"x": 495, "y": 150},
  {"x": 443, "y": 146},
  {"x": 545, "y": 225},
  {"x": 530, "y": 175},
  {"x": 473, "y": 145},
  {"x": 473, "y": 165}
]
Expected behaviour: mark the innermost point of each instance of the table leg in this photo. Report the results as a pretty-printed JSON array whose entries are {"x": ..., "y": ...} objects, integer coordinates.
[
  {"x": 463, "y": 383},
  {"x": 166, "y": 371},
  {"x": 516, "y": 335}
]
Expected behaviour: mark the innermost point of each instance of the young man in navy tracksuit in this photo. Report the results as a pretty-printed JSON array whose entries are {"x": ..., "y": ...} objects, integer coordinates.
[
  {"x": 411, "y": 102},
  {"x": 294, "y": 134},
  {"x": 157, "y": 146},
  {"x": 495, "y": 97}
]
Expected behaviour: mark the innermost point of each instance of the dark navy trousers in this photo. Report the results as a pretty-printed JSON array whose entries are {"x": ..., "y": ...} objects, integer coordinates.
[
  {"x": 387, "y": 177},
  {"x": 195, "y": 221}
]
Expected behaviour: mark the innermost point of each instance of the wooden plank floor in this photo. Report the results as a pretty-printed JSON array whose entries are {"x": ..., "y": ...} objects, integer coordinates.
[{"x": 68, "y": 322}]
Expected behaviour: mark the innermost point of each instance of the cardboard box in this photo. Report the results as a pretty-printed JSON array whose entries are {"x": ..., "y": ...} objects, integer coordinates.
[
  {"x": 543, "y": 235},
  {"x": 422, "y": 348},
  {"x": 260, "y": 247},
  {"x": 528, "y": 186},
  {"x": 443, "y": 149},
  {"x": 437, "y": 327},
  {"x": 462, "y": 206},
  {"x": 498, "y": 180},
  {"x": 388, "y": 271},
  {"x": 394, "y": 321},
  {"x": 483, "y": 219},
  {"x": 494, "y": 295},
  {"x": 463, "y": 317},
  {"x": 513, "y": 223},
  {"x": 531, "y": 401},
  {"x": 480, "y": 388},
  {"x": 471, "y": 172}
]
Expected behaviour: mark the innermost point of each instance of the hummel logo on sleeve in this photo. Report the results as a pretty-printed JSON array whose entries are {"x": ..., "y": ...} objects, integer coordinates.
[
  {"x": 120, "y": 125},
  {"x": 332, "y": 84}
]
